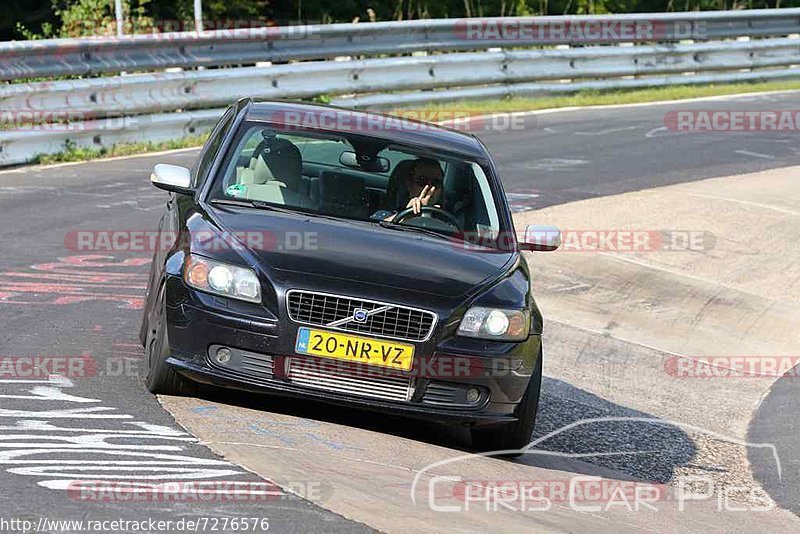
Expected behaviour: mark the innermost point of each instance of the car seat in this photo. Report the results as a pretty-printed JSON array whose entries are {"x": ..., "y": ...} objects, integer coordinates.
[
  {"x": 275, "y": 174},
  {"x": 343, "y": 195}
]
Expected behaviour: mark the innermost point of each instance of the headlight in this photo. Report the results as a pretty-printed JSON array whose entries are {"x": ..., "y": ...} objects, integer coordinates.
[
  {"x": 494, "y": 323},
  {"x": 222, "y": 279}
]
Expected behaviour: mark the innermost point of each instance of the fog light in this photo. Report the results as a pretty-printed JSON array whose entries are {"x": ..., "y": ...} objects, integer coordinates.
[
  {"x": 223, "y": 355},
  {"x": 473, "y": 395}
]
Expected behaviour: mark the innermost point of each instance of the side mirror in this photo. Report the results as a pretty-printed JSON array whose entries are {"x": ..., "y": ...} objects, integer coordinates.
[
  {"x": 172, "y": 178},
  {"x": 541, "y": 238}
]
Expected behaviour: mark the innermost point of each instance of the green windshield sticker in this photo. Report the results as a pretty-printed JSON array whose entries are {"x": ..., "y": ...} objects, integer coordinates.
[{"x": 236, "y": 190}]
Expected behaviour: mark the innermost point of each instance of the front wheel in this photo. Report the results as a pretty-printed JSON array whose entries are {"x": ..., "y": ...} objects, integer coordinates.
[
  {"x": 160, "y": 377},
  {"x": 517, "y": 435}
]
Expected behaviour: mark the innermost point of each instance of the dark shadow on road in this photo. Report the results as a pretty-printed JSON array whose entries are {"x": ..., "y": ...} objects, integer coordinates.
[
  {"x": 776, "y": 422},
  {"x": 645, "y": 450}
]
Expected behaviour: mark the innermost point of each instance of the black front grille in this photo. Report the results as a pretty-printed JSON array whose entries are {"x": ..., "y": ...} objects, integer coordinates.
[{"x": 331, "y": 311}]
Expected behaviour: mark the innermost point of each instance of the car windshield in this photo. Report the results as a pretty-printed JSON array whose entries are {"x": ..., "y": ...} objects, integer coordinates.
[{"x": 359, "y": 178}]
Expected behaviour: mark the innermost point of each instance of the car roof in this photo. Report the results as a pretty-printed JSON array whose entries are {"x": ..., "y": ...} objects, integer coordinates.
[{"x": 428, "y": 135}]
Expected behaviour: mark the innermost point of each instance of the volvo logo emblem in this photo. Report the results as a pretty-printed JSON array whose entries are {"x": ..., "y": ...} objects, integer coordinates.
[{"x": 360, "y": 315}]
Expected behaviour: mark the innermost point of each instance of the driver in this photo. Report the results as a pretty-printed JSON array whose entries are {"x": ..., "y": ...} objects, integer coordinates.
[{"x": 424, "y": 186}]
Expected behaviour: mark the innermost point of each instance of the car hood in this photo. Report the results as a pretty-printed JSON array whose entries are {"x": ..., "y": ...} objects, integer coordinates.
[{"x": 361, "y": 252}]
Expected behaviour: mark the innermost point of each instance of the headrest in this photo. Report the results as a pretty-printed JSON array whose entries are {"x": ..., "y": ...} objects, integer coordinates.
[{"x": 283, "y": 160}]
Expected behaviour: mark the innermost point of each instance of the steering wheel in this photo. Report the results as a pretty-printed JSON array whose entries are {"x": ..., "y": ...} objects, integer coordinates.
[{"x": 436, "y": 212}]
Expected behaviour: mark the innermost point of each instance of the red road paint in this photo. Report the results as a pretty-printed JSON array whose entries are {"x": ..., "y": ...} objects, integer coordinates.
[{"x": 77, "y": 279}]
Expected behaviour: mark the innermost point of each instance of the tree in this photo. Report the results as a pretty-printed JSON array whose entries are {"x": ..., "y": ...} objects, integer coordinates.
[{"x": 85, "y": 18}]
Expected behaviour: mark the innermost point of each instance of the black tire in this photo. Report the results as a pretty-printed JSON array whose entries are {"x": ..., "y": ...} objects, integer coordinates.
[
  {"x": 517, "y": 435},
  {"x": 159, "y": 376}
]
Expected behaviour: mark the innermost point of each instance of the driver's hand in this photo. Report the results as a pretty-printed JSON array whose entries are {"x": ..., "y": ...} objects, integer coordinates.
[{"x": 423, "y": 199}]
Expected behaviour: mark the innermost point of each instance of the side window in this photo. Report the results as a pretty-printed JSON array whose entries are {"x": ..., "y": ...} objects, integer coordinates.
[
  {"x": 211, "y": 147},
  {"x": 487, "y": 220}
]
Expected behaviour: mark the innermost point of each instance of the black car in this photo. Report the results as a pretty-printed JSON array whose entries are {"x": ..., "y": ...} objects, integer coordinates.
[{"x": 349, "y": 257}]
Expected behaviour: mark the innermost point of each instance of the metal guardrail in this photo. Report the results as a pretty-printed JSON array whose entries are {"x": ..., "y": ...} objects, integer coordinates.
[
  {"x": 61, "y": 57},
  {"x": 154, "y": 93},
  {"x": 18, "y": 147},
  {"x": 99, "y": 112}
]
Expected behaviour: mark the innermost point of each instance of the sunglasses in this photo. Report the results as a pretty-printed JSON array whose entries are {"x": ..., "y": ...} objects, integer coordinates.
[{"x": 422, "y": 181}]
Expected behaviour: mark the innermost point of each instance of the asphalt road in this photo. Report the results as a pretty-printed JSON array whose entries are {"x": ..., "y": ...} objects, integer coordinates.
[
  {"x": 59, "y": 304},
  {"x": 572, "y": 155}
]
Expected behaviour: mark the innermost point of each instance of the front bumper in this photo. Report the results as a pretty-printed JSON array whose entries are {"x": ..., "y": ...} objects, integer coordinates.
[{"x": 445, "y": 368}]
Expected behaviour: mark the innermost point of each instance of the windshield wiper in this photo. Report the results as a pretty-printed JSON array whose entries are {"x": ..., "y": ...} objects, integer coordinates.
[
  {"x": 252, "y": 204},
  {"x": 417, "y": 229},
  {"x": 259, "y": 204}
]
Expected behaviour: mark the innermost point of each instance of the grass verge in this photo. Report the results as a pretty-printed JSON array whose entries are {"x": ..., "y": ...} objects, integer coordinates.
[
  {"x": 74, "y": 153},
  {"x": 601, "y": 98}
]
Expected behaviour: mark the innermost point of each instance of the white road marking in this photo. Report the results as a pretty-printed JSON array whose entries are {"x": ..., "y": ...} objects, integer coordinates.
[
  {"x": 72, "y": 413},
  {"x": 579, "y": 285},
  {"x": 608, "y": 131},
  {"x": 49, "y": 393},
  {"x": 58, "y": 380},
  {"x": 521, "y": 196},
  {"x": 520, "y": 202},
  {"x": 754, "y": 154},
  {"x": 130, "y": 203},
  {"x": 82, "y": 447},
  {"x": 749, "y": 203},
  {"x": 41, "y": 448},
  {"x": 652, "y": 133},
  {"x": 554, "y": 164},
  {"x": 24, "y": 189}
]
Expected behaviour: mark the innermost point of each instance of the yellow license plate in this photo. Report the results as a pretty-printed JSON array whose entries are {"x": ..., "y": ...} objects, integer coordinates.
[{"x": 354, "y": 349}]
